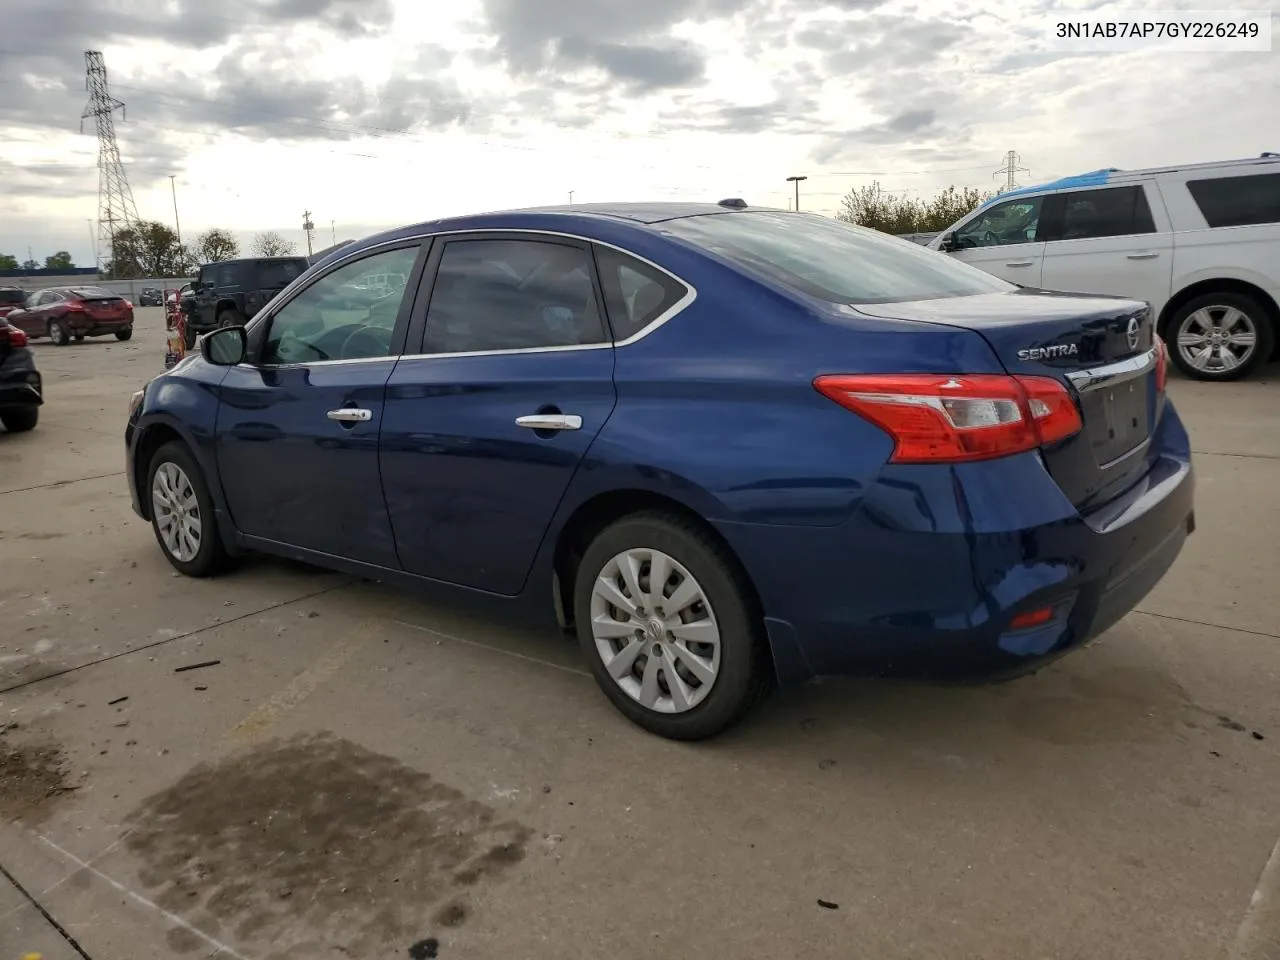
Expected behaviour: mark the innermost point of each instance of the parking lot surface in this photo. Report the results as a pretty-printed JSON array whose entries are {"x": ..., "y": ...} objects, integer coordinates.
[{"x": 285, "y": 762}]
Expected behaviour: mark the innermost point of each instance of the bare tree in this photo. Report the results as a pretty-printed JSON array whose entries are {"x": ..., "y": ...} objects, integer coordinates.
[{"x": 271, "y": 244}]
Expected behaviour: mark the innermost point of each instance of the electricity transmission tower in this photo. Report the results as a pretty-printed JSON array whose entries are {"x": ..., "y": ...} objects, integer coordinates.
[
  {"x": 116, "y": 210},
  {"x": 1010, "y": 168}
]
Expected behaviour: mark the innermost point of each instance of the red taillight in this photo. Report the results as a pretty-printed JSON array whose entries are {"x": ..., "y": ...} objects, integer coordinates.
[
  {"x": 950, "y": 419},
  {"x": 1162, "y": 365},
  {"x": 1031, "y": 618},
  {"x": 16, "y": 337}
]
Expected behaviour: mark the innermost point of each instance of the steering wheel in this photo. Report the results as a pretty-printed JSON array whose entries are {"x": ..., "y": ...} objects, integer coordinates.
[
  {"x": 370, "y": 341},
  {"x": 990, "y": 237}
]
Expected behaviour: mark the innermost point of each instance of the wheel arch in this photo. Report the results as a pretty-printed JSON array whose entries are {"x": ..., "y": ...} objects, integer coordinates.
[{"x": 1221, "y": 285}]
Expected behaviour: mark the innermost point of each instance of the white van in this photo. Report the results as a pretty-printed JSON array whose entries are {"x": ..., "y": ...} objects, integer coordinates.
[{"x": 1200, "y": 243}]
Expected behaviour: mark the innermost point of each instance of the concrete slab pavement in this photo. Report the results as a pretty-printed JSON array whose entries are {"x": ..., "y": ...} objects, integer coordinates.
[{"x": 392, "y": 771}]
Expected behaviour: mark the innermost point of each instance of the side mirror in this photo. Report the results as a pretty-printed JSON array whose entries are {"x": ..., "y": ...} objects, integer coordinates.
[
  {"x": 224, "y": 347},
  {"x": 948, "y": 243}
]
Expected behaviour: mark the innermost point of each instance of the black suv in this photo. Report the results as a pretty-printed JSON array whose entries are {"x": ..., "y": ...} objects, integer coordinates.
[{"x": 229, "y": 293}]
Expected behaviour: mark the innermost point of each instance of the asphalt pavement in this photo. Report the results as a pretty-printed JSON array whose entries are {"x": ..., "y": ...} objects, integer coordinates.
[{"x": 287, "y": 763}]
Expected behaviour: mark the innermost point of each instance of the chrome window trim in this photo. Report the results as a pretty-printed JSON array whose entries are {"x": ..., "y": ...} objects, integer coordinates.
[
  {"x": 670, "y": 313},
  {"x": 1110, "y": 374}
]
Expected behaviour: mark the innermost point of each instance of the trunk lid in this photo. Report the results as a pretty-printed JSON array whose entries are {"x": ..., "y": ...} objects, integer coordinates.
[{"x": 1103, "y": 348}]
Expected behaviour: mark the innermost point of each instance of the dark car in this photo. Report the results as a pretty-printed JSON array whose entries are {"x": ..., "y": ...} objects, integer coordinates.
[
  {"x": 61, "y": 313},
  {"x": 727, "y": 446},
  {"x": 231, "y": 292},
  {"x": 11, "y": 298},
  {"x": 151, "y": 297},
  {"x": 21, "y": 390}
]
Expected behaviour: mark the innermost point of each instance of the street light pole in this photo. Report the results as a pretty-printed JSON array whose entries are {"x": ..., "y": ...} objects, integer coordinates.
[
  {"x": 176, "y": 225},
  {"x": 571, "y": 193},
  {"x": 796, "y": 181}
]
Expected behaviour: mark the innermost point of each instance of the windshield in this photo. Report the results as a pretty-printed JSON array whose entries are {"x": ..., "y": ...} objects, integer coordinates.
[
  {"x": 93, "y": 293},
  {"x": 833, "y": 260},
  {"x": 279, "y": 273}
]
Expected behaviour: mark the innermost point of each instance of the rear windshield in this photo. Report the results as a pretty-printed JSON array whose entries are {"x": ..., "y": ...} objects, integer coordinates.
[
  {"x": 94, "y": 293},
  {"x": 280, "y": 273},
  {"x": 833, "y": 260},
  {"x": 12, "y": 296}
]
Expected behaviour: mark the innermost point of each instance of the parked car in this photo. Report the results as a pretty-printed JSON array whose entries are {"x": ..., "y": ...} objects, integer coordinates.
[
  {"x": 21, "y": 390},
  {"x": 231, "y": 292},
  {"x": 1200, "y": 243},
  {"x": 727, "y": 446},
  {"x": 151, "y": 297},
  {"x": 11, "y": 298},
  {"x": 64, "y": 312}
]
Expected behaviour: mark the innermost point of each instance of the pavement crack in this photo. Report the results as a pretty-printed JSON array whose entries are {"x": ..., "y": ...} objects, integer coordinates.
[
  {"x": 63, "y": 483},
  {"x": 62, "y": 931},
  {"x": 1241, "y": 456},
  {"x": 181, "y": 636},
  {"x": 1198, "y": 623}
]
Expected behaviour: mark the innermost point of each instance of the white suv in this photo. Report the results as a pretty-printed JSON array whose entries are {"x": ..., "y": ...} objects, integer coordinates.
[{"x": 1200, "y": 243}]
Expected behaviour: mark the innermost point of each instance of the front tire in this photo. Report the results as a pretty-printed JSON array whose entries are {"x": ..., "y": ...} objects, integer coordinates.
[
  {"x": 1220, "y": 336},
  {"x": 230, "y": 318},
  {"x": 182, "y": 513},
  {"x": 188, "y": 337},
  {"x": 124, "y": 334},
  {"x": 670, "y": 627},
  {"x": 20, "y": 419},
  {"x": 58, "y": 333}
]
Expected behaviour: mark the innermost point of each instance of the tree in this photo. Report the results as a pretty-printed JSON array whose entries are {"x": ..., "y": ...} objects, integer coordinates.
[
  {"x": 30, "y": 265},
  {"x": 148, "y": 250},
  {"x": 58, "y": 261},
  {"x": 8, "y": 261},
  {"x": 271, "y": 244},
  {"x": 216, "y": 244},
  {"x": 875, "y": 208}
]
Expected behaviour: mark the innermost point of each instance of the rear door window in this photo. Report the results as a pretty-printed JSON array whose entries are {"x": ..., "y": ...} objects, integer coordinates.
[
  {"x": 1238, "y": 201},
  {"x": 1113, "y": 212},
  {"x": 635, "y": 293},
  {"x": 504, "y": 294}
]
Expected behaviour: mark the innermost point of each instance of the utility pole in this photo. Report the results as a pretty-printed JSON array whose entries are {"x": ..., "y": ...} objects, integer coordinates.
[
  {"x": 308, "y": 226},
  {"x": 796, "y": 181},
  {"x": 571, "y": 193},
  {"x": 116, "y": 209},
  {"x": 1010, "y": 168},
  {"x": 176, "y": 225}
]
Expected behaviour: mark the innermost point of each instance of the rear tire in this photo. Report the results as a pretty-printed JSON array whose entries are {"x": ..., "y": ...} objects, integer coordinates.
[
  {"x": 124, "y": 334},
  {"x": 194, "y": 549},
  {"x": 58, "y": 333},
  {"x": 645, "y": 643},
  {"x": 1215, "y": 326},
  {"x": 20, "y": 419}
]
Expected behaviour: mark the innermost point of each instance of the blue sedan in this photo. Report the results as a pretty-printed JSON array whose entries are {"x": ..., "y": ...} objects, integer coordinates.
[{"x": 729, "y": 447}]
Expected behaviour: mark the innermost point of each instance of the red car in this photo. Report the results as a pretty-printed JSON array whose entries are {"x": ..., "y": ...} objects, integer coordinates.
[{"x": 61, "y": 313}]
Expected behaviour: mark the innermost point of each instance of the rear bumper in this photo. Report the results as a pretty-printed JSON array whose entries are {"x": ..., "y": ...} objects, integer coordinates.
[
  {"x": 94, "y": 326},
  {"x": 926, "y": 578},
  {"x": 20, "y": 382}
]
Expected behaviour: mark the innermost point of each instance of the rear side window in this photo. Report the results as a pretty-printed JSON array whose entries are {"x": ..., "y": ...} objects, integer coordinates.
[
  {"x": 832, "y": 260},
  {"x": 512, "y": 295},
  {"x": 1114, "y": 212},
  {"x": 1238, "y": 201},
  {"x": 635, "y": 294}
]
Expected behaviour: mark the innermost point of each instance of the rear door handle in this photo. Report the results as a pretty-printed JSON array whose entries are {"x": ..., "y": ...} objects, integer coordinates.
[
  {"x": 1142, "y": 256},
  {"x": 550, "y": 421},
  {"x": 1020, "y": 263},
  {"x": 350, "y": 415}
]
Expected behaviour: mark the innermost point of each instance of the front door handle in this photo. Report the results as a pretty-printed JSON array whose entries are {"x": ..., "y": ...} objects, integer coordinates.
[
  {"x": 1142, "y": 256},
  {"x": 550, "y": 421},
  {"x": 1020, "y": 263},
  {"x": 350, "y": 415}
]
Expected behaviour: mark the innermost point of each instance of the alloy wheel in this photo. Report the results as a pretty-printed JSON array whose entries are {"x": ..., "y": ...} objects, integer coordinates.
[
  {"x": 177, "y": 511},
  {"x": 1217, "y": 339},
  {"x": 655, "y": 631}
]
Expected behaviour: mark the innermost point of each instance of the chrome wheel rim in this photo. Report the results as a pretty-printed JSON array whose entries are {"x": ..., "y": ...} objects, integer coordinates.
[
  {"x": 655, "y": 631},
  {"x": 177, "y": 511},
  {"x": 1217, "y": 339},
  {"x": 55, "y": 330}
]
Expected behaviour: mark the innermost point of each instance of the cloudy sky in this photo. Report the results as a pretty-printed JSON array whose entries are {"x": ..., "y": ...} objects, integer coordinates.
[{"x": 377, "y": 112}]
